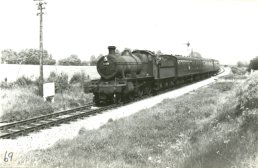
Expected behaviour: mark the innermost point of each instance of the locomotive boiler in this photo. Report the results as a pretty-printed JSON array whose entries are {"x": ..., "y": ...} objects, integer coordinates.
[
  {"x": 129, "y": 75},
  {"x": 116, "y": 65}
]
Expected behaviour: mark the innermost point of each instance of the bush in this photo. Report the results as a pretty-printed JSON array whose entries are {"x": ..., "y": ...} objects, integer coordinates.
[
  {"x": 79, "y": 77},
  {"x": 86, "y": 87},
  {"x": 248, "y": 93},
  {"x": 23, "y": 81},
  {"x": 72, "y": 60},
  {"x": 223, "y": 86},
  {"x": 61, "y": 80},
  {"x": 5, "y": 85},
  {"x": 254, "y": 63},
  {"x": 238, "y": 71}
]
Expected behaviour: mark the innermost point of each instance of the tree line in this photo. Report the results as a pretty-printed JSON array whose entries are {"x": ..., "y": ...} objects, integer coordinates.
[
  {"x": 254, "y": 63},
  {"x": 31, "y": 57},
  {"x": 27, "y": 56}
]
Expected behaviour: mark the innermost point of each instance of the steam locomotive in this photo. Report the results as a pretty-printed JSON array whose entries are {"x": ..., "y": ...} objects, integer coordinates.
[{"x": 129, "y": 75}]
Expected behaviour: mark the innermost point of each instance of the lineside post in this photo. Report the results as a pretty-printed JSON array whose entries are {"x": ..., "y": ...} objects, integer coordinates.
[{"x": 41, "y": 7}]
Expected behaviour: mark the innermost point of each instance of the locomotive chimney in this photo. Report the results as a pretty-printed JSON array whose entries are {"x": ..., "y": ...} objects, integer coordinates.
[{"x": 111, "y": 50}]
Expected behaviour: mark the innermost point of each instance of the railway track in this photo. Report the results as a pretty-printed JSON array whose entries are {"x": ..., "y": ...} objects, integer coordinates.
[
  {"x": 24, "y": 127},
  {"x": 221, "y": 70}
]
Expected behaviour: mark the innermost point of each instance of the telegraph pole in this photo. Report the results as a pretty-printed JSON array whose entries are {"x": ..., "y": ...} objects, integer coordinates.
[{"x": 41, "y": 7}]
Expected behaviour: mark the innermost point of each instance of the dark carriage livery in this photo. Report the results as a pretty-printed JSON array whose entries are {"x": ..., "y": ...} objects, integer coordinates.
[{"x": 134, "y": 74}]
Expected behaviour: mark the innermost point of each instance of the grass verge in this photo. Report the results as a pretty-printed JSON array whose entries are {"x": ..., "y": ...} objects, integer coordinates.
[
  {"x": 21, "y": 103},
  {"x": 18, "y": 103}
]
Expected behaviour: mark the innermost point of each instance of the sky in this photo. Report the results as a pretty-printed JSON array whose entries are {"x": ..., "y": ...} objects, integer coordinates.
[{"x": 226, "y": 30}]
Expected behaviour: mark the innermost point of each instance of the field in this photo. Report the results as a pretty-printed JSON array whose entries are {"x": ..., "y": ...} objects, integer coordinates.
[
  {"x": 13, "y": 72},
  {"x": 212, "y": 127}
]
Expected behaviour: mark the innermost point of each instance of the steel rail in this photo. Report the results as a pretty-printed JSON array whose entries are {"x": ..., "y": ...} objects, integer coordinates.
[
  {"x": 31, "y": 127},
  {"x": 47, "y": 116}
]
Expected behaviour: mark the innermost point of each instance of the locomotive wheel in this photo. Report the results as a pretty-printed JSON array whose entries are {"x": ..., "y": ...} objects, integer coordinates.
[
  {"x": 139, "y": 92},
  {"x": 117, "y": 99},
  {"x": 171, "y": 84},
  {"x": 160, "y": 86},
  {"x": 147, "y": 90},
  {"x": 166, "y": 84},
  {"x": 96, "y": 100},
  {"x": 129, "y": 97}
]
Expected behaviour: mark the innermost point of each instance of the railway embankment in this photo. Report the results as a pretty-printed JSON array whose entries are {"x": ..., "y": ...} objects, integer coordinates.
[{"x": 214, "y": 126}]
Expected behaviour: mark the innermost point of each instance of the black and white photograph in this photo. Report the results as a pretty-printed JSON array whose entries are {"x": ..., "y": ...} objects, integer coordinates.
[{"x": 129, "y": 84}]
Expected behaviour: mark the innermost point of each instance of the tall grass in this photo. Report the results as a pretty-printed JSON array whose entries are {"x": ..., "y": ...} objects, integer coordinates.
[
  {"x": 230, "y": 139},
  {"x": 212, "y": 127},
  {"x": 20, "y": 82},
  {"x": 22, "y": 103},
  {"x": 72, "y": 97},
  {"x": 20, "y": 99}
]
